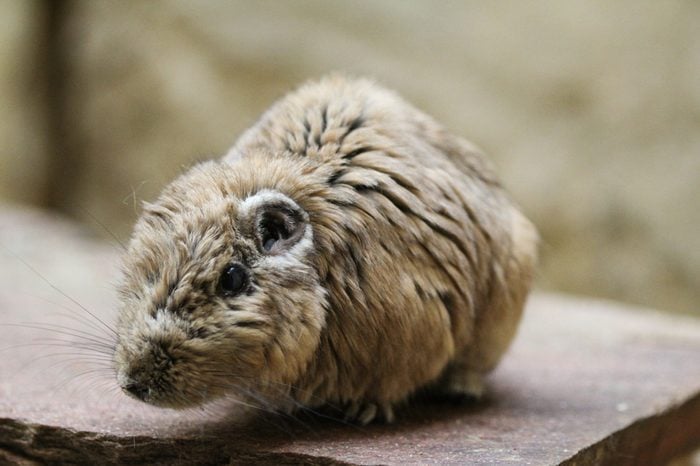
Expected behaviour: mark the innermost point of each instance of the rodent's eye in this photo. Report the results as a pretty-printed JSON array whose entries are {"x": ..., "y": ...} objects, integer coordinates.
[{"x": 233, "y": 279}]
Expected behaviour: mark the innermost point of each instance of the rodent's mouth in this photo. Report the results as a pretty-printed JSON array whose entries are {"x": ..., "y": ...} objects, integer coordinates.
[
  {"x": 156, "y": 376},
  {"x": 156, "y": 394},
  {"x": 142, "y": 392},
  {"x": 137, "y": 390}
]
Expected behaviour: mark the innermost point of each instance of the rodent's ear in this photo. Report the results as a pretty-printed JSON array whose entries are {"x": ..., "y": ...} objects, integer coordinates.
[
  {"x": 278, "y": 222},
  {"x": 278, "y": 228}
]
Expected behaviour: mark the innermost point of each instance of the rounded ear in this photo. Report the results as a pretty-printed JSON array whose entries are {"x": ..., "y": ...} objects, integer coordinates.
[
  {"x": 278, "y": 222},
  {"x": 278, "y": 228}
]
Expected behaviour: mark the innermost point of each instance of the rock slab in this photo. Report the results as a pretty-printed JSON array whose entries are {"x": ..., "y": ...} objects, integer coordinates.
[{"x": 586, "y": 382}]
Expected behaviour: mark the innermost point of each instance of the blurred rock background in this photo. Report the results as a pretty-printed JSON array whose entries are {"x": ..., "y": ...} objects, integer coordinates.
[{"x": 591, "y": 110}]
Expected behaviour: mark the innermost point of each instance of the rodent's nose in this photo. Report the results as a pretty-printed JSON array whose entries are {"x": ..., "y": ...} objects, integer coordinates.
[{"x": 138, "y": 390}]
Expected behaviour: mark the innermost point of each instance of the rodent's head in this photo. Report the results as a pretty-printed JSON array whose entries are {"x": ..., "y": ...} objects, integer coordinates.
[{"x": 219, "y": 293}]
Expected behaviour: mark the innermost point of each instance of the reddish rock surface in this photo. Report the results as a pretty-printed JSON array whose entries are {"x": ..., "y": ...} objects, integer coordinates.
[{"x": 585, "y": 382}]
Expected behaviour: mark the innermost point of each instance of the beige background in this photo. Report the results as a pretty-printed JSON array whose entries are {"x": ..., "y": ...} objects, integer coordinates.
[{"x": 591, "y": 110}]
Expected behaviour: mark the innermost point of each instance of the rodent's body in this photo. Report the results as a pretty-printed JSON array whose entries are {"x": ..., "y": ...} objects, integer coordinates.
[{"x": 409, "y": 267}]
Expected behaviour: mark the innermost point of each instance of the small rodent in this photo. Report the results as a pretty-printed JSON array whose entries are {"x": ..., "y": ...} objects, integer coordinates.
[{"x": 347, "y": 251}]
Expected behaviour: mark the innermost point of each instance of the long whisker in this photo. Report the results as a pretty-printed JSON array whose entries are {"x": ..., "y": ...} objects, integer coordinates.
[
  {"x": 282, "y": 388},
  {"x": 61, "y": 330},
  {"x": 104, "y": 227},
  {"x": 74, "y": 315},
  {"x": 238, "y": 386},
  {"x": 61, "y": 292},
  {"x": 57, "y": 344},
  {"x": 57, "y": 328}
]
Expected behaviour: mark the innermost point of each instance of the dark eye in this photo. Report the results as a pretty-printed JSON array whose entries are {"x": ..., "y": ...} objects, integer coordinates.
[{"x": 233, "y": 279}]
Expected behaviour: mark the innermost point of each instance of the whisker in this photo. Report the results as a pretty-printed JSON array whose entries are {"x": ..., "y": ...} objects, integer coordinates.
[
  {"x": 281, "y": 385},
  {"x": 281, "y": 393},
  {"x": 73, "y": 378},
  {"x": 83, "y": 357},
  {"x": 69, "y": 332},
  {"x": 66, "y": 362},
  {"x": 58, "y": 290},
  {"x": 74, "y": 332},
  {"x": 57, "y": 343},
  {"x": 104, "y": 227},
  {"x": 74, "y": 315},
  {"x": 133, "y": 195}
]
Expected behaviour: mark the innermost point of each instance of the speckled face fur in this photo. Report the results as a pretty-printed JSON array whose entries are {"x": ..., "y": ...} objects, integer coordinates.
[
  {"x": 347, "y": 251},
  {"x": 218, "y": 295}
]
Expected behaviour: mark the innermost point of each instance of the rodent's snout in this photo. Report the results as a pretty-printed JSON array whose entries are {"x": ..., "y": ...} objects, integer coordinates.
[
  {"x": 144, "y": 377},
  {"x": 164, "y": 369},
  {"x": 147, "y": 369},
  {"x": 137, "y": 389},
  {"x": 135, "y": 385}
]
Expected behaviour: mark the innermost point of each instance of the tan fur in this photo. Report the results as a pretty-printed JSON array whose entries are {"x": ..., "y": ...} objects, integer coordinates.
[{"x": 413, "y": 272}]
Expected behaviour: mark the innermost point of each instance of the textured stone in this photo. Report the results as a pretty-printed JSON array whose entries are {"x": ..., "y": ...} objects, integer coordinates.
[{"x": 586, "y": 382}]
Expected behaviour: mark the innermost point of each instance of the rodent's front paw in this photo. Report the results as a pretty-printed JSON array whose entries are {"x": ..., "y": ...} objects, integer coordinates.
[{"x": 363, "y": 412}]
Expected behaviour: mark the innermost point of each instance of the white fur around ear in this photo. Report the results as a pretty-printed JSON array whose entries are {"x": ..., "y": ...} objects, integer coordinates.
[
  {"x": 250, "y": 204},
  {"x": 278, "y": 225}
]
